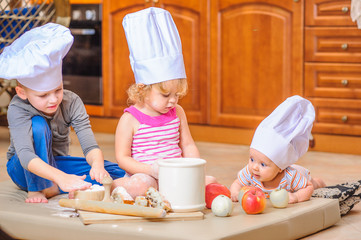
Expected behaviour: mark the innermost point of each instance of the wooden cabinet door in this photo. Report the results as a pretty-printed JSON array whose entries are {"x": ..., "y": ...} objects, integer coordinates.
[
  {"x": 191, "y": 20},
  {"x": 117, "y": 73},
  {"x": 256, "y": 58}
]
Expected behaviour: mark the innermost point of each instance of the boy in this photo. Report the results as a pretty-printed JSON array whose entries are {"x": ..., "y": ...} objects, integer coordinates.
[{"x": 40, "y": 116}]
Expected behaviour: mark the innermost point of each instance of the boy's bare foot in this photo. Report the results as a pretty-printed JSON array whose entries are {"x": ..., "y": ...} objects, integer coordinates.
[
  {"x": 36, "y": 197},
  {"x": 71, "y": 195},
  {"x": 42, "y": 196}
]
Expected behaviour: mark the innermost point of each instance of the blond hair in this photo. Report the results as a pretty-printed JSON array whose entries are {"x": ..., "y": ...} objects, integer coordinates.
[{"x": 138, "y": 91}]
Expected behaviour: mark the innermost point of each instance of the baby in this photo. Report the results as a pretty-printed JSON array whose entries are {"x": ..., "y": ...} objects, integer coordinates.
[{"x": 279, "y": 141}]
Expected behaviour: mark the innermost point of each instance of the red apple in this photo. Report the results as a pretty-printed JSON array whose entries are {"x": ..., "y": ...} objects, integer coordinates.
[
  {"x": 253, "y": 201},
  {"x": 243, "y": 190},
  {"x": 213, "y": 190}
]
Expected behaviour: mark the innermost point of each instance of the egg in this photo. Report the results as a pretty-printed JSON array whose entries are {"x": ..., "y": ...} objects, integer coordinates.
[{"x": 222, "y": 206}]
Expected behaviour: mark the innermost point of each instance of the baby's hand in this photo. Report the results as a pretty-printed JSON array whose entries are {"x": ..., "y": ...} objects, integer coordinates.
[
  {"x": 235, "y": 188},
  {"x": 234, "y": 196},
  {"x": 292, "y": 198}
]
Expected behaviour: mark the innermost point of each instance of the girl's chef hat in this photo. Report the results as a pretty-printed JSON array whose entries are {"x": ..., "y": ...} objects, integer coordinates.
[
  {"x": 284, "y": 135},
  {"x": 154, "y": 45},
  {"x": 35, "y": 58}
]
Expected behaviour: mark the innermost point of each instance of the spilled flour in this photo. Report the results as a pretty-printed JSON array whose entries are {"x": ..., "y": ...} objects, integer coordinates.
[{"x": 58, "y": 210}]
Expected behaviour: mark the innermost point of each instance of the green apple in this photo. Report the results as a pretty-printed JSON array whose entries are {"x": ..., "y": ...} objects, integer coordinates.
[
  {"x": 222, "y": 206},
  {"x": 279, "y": 198}
]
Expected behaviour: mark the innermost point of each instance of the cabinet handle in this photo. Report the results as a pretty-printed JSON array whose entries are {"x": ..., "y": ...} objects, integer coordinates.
[
  {"x": 344, "y": 118},
  {"x": 344, "y": 9},
  {"x": 296, "y": 0},
  {"x": 344, "y": 46},
  {"x": 155, "y": 1},
  {"x": 147, "y": 1},
  {"x": 344, "y": 82}
]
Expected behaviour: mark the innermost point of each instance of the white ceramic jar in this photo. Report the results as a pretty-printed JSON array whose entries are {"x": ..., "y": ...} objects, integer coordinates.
[{"x": 182, "y": 183}]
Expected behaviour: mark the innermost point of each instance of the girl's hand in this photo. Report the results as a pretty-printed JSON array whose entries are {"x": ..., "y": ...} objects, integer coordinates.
[
  {"x": 71, "y": 182},
  {"x": 98, "y": 173},
  {"x": 154, "y": 170}
]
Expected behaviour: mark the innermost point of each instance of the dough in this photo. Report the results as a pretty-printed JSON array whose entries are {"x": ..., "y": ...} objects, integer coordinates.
[
  {"x": 156, "y": 200},
  {"x": 120, "y": 195},
  {"x": 95, "y": 193}
]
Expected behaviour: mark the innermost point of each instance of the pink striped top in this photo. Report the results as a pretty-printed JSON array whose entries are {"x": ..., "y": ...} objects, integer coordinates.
[
  {"x": 295, "y": 178},
  {"x": 157, "y": 137}
]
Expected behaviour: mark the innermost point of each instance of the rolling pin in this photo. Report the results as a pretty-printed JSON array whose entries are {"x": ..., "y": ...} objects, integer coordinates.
[{"x": 113, "y": 208}]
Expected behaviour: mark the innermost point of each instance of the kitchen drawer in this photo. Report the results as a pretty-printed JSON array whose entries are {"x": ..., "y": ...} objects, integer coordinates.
[
  {"x": 328, "y": 13},
  {"x": 337, "y": 116},
  {"x": 333, "y": 80},
  {"x": 339, "y": 44}
]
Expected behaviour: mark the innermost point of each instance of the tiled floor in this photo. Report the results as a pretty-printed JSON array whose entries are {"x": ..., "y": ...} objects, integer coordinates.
[{"x": 224, "y": 160}]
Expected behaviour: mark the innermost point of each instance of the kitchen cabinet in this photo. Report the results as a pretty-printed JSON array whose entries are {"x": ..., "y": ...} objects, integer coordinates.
[
  {"x": 242, "y": 57},
  {"x": 85, "y": 1},
  {"x": 256, "y": 58},
  {"x": 333, "y": 67},
  {"x": 191, "y": 20}
]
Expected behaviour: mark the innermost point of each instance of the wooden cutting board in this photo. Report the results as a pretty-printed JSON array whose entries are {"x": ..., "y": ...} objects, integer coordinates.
[{"x": 94, "y": 217}]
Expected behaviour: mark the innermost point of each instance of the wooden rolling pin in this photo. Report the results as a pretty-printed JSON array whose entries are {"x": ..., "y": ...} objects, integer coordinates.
[{"x": 114, "y": 208}]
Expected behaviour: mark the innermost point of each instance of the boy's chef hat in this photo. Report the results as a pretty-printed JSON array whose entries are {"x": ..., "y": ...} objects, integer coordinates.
[
  {"x": 154, "y": 45},
  {"x": 284, "y": 135},
  {"x": 35, "y": 58}
]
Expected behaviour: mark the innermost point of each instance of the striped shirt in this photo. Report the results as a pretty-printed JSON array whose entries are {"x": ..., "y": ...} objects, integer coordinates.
[
  {"x": 157, "y": 137},
  {"x": 295, "y": 178}
]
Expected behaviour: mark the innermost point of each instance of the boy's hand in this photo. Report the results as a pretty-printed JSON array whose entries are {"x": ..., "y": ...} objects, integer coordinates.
[{"x": 71, "y": 182}]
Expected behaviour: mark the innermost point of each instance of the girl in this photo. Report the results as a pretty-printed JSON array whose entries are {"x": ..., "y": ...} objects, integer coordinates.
[{"x": 155, "y": 126}]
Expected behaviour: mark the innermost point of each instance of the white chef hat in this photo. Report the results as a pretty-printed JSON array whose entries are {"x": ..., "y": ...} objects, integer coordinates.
[
  {"x": 35, "y": 58},
  {"x": 154, "y": 45},
  {"x": 284, "y": 135}
]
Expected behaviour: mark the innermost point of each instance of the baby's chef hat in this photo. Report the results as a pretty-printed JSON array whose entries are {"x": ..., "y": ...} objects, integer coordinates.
[
  {"x": 35, "y": 58},
  {"x": 284, "y": 135},
  {"x": 154, "y": 45}
]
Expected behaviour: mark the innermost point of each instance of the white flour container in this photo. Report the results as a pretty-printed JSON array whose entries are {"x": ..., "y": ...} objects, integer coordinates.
[{"x": 182, "y": 183}]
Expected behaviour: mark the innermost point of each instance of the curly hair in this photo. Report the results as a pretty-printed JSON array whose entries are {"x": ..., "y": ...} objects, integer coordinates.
[{"x": 138, "y": 91}]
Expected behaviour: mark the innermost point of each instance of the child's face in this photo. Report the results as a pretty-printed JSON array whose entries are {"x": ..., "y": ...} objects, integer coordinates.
[
  {"x": 158, "y": 102},
  {"x": 46, "y": 102},
  {"x": 261, "y": 167}
]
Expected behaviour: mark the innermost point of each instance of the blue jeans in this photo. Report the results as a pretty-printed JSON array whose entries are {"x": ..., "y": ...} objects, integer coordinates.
[{"x": 42, "y": 136}]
